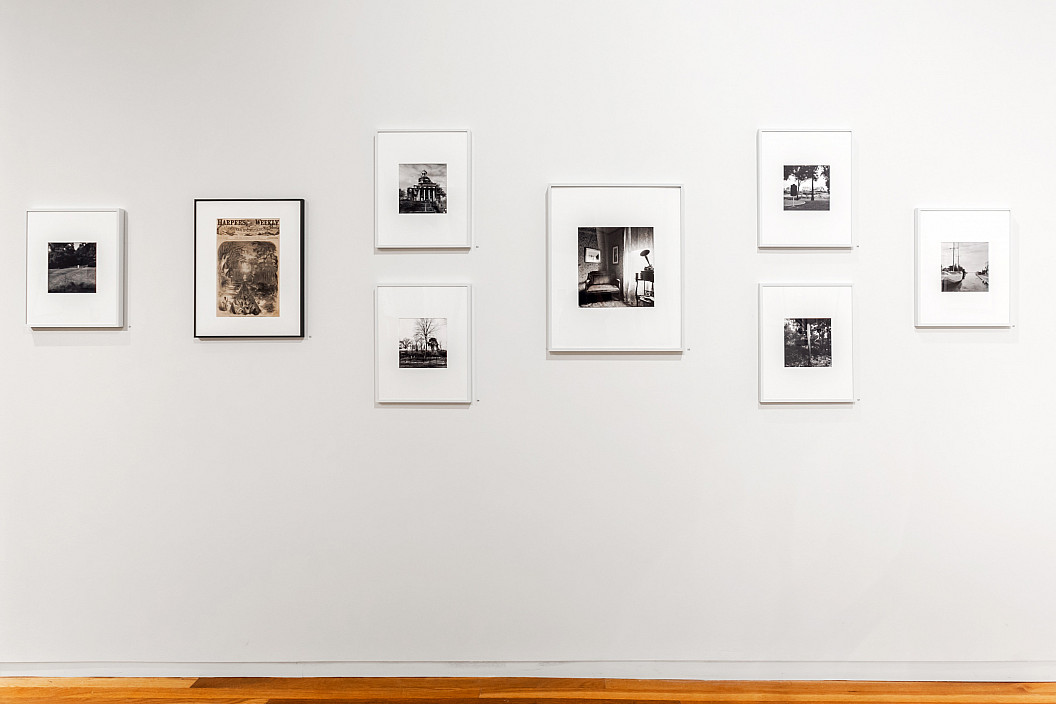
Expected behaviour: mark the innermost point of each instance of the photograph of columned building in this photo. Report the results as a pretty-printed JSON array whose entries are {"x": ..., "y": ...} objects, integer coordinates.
[{"x": 423, "y": 188}]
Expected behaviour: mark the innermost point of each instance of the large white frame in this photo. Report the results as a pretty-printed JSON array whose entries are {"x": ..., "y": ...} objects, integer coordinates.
[
  {"x": 781, "y": 384},
  {"x": 103, "y": 309},
  {"x": 453, "y": 384},
  {"x": 574, "y": 329},
  {"x": 777, "y": 227},
  {"x": 935, "y": 308},
  {"x": 450, "y": 230},
  {"x": 290, "y": 321}
]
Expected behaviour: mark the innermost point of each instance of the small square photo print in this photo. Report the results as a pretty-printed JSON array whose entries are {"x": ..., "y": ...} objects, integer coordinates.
[
  {"x": 808, "y": 342},
  {"x": 423, "y": 343},
  {"x": 966, "y": 267},
  {"x": 71, "y": 267},
  {"x": 423, "y": 188},
  {"x": 806, "y": 187}
]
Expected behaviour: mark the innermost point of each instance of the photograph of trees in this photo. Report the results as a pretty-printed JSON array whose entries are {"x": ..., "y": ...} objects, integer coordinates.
[
  {"x": 423, "y": 343},
  {"x": 71, "y": 267},
  {"x": 806, "y": 187},
  {"x": 808, "y": 342}
]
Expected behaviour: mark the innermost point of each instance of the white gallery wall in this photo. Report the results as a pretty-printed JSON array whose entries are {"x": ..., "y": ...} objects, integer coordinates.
[{"x": 169, "y": 500}]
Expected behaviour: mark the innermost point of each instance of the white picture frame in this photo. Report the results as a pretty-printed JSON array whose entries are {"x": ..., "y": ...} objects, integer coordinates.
[
  {"x": 224, "y": 308},
  {"x": 75, "y": 268},
  {"x": 822, "y": 219},
  {"x": 624, "y": 303},
  {"x": 410, "y": 213},
  {"x": 963, "y": 267},
  {"x": 416, "y": 373},
  {"x": 789, "y": 319}
]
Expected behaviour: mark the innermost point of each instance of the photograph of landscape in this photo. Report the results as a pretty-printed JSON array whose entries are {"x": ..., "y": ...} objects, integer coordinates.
[{"x": 71, "y": 267}]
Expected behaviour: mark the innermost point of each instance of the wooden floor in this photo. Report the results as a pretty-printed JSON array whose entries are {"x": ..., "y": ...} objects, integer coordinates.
[{"x": 496, "y": 690}]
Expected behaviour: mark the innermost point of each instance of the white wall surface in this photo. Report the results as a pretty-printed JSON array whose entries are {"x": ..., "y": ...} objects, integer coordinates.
[{"x": 164, "y": 499}]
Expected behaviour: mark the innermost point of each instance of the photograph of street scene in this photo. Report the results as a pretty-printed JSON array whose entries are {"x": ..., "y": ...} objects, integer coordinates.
[{"x": 806, "y": 187}]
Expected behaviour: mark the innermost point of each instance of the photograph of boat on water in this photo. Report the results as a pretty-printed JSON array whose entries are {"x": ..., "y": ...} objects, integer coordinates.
[
  {"x": 963, "y": 252},
  {"x": 966, "y": 267}
]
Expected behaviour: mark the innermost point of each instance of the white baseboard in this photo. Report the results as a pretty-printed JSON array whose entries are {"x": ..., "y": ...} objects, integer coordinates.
[{"x": 696, "y": 670}]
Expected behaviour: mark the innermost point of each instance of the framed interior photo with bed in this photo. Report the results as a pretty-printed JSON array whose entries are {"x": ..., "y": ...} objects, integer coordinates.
[{"x": 615, "y": 268}]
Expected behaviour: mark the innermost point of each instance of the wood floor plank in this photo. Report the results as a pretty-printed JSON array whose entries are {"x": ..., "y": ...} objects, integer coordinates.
[
  {"x": 552, "y": 684},
  {"x": 830, "y": 686},
  {"x": 102, "y": 682},
  {"x": 412, "y": 686},
  {"x": 506, "y": 690}
]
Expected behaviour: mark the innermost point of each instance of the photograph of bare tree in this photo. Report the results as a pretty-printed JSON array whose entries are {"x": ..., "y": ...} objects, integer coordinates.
[
  {"x": 965, "y": 267},
  {"x": 808, "y": 342},
  {"x": 71, "y": 267},
  {"x": 806, "y": 187},
  {"x": 423, "y": 343}
]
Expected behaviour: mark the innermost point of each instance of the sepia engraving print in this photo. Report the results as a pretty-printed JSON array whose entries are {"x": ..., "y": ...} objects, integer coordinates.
[{"x": 247, "y": 267}]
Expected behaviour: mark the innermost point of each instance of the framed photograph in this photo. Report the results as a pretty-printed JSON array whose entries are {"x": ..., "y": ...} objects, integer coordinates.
[
  {"x": 805, "y": 188},
  {"x": 805, "y": 350},
  {"x": 423, "y": 344},
  {"x": 422, "y": 189},
  {"x": 963, "y": 268},
  {"x": 592, "y": 256},
  {"x": 249, "y": 268},
  {"x": 611, "y": 304},
  {"x": 75, "y": 268}
]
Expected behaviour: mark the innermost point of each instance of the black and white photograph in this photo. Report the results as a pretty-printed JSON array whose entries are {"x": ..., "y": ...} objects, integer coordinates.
[
  {"x": 71, "y": 267},
  {"x": 808, "y": 342},
  {"x": 956, "y": 251},
  {"x": 805, "y": 343},
  {"x": 965, "y": 267},
  {"x": 423, "y": 188},
  {"x": 806, "y": 187},
  {"x": 423, "y": 343},
  {"x": 794, "y": 174},
  {"x": 423, "y": 194},
  {"x": 624, "y": 280},
  {"x": 75, "y": 268},
  {"x": 423, "y": 358},
  {"x": 637, "y": 229}
]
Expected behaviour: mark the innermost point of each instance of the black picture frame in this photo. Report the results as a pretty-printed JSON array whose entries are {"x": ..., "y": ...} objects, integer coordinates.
[{"x": 269, "y": 306}]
